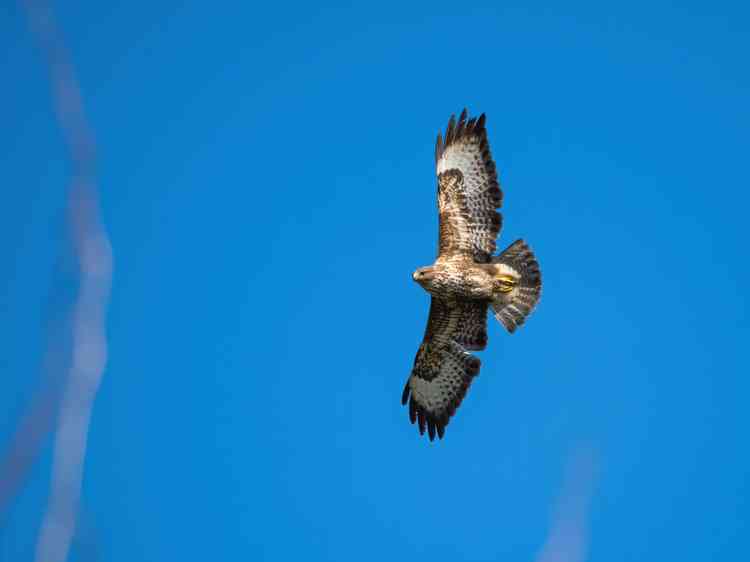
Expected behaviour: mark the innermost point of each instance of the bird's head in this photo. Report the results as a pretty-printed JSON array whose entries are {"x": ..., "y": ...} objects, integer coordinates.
[{"x": 424, "y": 275}]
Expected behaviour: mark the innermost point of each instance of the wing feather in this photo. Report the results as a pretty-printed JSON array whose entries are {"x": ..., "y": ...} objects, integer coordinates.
[
  {"x": 468, "y": 190},
  {"x": 443, "y": 368}
]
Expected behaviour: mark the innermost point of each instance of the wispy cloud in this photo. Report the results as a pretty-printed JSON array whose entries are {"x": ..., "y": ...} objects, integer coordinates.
[
  {"x": 80, "y": 367},
  {"x": 568, "y": 539}
]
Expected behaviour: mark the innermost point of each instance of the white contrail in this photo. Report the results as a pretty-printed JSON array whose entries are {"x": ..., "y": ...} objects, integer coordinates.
[
  {"x": 92, "y": 250},
  {"x": 568, "y": 539},
  {"x": 88, "y": 362}
]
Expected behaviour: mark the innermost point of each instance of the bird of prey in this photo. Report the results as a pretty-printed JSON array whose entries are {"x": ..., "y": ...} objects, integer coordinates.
[{"x": 466, "y": 280}]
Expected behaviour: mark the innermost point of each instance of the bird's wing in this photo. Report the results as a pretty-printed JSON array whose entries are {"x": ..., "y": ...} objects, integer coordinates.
[
  {"x": 443, "y": 368},
  {"x": 468, "y": 190}
]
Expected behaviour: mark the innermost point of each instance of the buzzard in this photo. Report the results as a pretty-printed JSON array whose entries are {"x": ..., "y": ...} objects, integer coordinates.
[{"x": 466, "y": 279}]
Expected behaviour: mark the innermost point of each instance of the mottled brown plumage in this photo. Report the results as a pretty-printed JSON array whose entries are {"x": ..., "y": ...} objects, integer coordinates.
[{"x": 466, "y": 279}]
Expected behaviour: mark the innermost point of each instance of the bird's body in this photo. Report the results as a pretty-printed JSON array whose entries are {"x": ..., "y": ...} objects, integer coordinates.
[
  {"x": 458, "y": 277},
  {"x": 466, "y": 279}
]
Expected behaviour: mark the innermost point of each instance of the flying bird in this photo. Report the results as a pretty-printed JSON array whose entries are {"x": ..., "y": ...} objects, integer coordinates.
[{"x": 467, "y": 279}]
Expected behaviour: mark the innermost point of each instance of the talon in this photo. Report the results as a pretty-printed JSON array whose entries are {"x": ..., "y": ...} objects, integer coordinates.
[{"x": 506, "y": 283}]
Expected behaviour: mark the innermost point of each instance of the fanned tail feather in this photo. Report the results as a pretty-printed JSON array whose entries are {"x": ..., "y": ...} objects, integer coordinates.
[{"x": 513, "y": 305}]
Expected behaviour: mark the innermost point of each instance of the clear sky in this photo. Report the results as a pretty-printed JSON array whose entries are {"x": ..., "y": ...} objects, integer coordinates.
[{"x": 267, "y": 182}]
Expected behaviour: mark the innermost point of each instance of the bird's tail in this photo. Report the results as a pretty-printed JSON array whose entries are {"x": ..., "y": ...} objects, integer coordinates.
[{"x": 518, "y": 285}]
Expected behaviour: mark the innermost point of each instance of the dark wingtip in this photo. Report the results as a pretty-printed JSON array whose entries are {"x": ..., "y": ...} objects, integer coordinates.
[
  {"x": 405, "y": 394},
  {"x": 449, "y": 132},
  {"x": 460, "y": 128},
  {"x": 433, "y": 425},
  {"x": 440, "y": 430}
]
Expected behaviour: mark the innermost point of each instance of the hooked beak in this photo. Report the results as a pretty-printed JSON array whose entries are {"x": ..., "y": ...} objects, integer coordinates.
[{"x": 422, "y": 275}]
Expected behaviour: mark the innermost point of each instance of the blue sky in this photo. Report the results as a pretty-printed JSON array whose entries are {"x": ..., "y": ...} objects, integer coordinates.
[{"x": 267, "y": 183}]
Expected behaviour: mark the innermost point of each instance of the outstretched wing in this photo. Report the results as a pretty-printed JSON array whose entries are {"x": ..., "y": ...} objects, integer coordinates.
[
  {"x": 443, "y": 369},
  {"x": 468, "y": 190}
]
